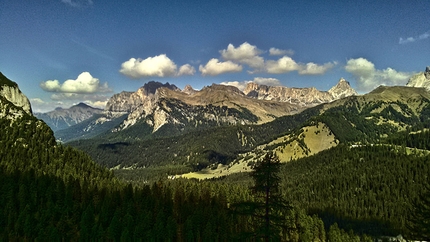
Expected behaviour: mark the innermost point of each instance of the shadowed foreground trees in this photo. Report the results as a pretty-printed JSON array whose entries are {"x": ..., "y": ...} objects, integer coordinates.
[
  {"x": 268, "y": 210},
  {"x": 419, "y": 219}
]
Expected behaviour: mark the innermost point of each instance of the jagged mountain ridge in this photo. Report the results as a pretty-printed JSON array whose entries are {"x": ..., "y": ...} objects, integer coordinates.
[
  {"x": 152, "y": 99},
  {"x": 60, "y": 118},
  {"x": 166, "y": 110},
  {"x": 300, "y": 96},
  {"x": 421, "y": 79}
]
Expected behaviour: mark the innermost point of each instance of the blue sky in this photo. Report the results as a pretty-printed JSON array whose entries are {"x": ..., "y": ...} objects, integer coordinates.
[{"x": 61, "y": 52}]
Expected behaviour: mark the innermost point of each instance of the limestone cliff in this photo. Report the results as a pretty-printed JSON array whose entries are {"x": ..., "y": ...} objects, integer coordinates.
[
  {"x": 299, "y": 96},
  {"x": 10, "y": 91},
  {"x": 421, "y": 79}
]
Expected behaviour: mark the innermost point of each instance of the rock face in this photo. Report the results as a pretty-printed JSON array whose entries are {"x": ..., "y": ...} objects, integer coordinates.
[
  {"x": 127, "y": 101},
  {"x": 300, "y": 96},
  {"x": 342, "y": 89},
  {"x": 189, "y": 90},
  {"x": 421, "y": 79},
  {"x": 11, "y": 92},
  {"x": 63, "y": 118}
]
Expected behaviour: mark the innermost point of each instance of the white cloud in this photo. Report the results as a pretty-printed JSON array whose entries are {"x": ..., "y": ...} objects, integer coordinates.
[
  {"x": 314, "y": 69},
  {"x": 36, "y": 101},
  {"x": 215, "y": 67},
  {"x": 186, "y": 69},
  {"x": 159, "y": 66},
  {"x": 245, "y": 53},
  {"x": 276, "y": 51},
  {"x": 78, "y": 3},
  {"x": 368, "y": 77},
  {"x": 283, "y": 65},
  {"x": 240, "y": 85},
  {"x": 267, "y": 81},
  {"x": 85, "y": 83},
  {"x": 413, "y": 39},
  {"x": 287, "y": 64},
  {"x": 259, "y": 80}
]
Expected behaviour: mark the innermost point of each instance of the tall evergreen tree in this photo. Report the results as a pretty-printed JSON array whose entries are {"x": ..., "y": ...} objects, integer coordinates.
[{"x": 268, "y": 209}]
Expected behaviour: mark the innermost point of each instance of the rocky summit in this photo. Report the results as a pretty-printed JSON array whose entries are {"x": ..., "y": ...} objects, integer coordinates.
[
  {"x": 10, "y": 91},
  {"x": 421, "y": 79},
  {"x": 300, "y": 96},
  {"x": 342, "y": 89},
  {"x": 128, "y": 101},
  {"x": 157, "y": 104}
]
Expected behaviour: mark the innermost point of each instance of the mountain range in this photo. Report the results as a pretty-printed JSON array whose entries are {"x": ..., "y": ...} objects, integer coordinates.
[{"x": 161, "y": 108}]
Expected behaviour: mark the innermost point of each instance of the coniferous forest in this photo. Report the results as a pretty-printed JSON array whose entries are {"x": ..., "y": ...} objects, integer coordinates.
[{"x": 50, "y": 191}]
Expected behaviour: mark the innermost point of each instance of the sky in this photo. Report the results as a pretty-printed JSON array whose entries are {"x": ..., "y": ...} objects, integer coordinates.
[{"x": 62, "y": 52}]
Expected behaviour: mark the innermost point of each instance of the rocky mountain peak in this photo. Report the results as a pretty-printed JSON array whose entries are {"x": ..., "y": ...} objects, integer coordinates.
[
  {"x": 152, "y": 86},
  {"x": 62, "y": 118},
  {"x": 427, "y": 72},
  {"x": 188, "y": 89},
  {"x": 300, "y": 96},
  {"x": 10, "y": 91},
  {"x": 342, "y": 89},
  {"x": 421, "y": 79},
  {"x": 128, "y": 101},
  {"x": 81, "y": 105}
]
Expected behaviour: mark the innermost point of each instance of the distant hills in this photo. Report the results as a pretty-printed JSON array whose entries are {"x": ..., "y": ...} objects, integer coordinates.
[{"x": 63, "y": 118}]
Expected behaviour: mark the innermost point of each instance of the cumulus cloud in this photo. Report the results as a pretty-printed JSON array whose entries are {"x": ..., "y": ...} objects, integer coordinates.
[
  {"x": 267, "y": 81},
  {"x": 413, "y": 39},
  {"x": 215, "y": 67},
  {"x": 245, "y": 53},
  {"x": 85, "y": 83},
  {"x": 157, "y": 66},
  {"x": 368, "y": 77},
  {"x": 240, "y": 85},
  {"x": 276, "y": 51},
  {"x": 287, "y": 64},
  {"x": 186, "y": 69},
  {"x": 259, "y": 80},
  {"x": 283, "y": 65},
  {"x": 314, "y": 69},
  {"x": 250, "y": 55}
]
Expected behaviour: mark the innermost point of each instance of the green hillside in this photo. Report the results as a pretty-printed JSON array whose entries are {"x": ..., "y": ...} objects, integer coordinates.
[
  {"x": 357, "y": 119},
  {"x": 55, "y": 193}
]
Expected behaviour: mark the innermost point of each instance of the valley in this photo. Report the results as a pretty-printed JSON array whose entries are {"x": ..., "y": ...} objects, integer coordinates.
[{"x": 358, "y": 163}]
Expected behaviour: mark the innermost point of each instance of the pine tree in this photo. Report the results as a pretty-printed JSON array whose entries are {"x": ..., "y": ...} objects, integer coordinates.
[{"x": 268, "y": 209}]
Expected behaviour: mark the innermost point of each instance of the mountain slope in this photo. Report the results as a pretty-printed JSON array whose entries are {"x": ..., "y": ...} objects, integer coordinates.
[
  {"x": 28, "y": 144},
  {"x": 366, "y": 118},
  {"x": 157, "y": 110}
]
